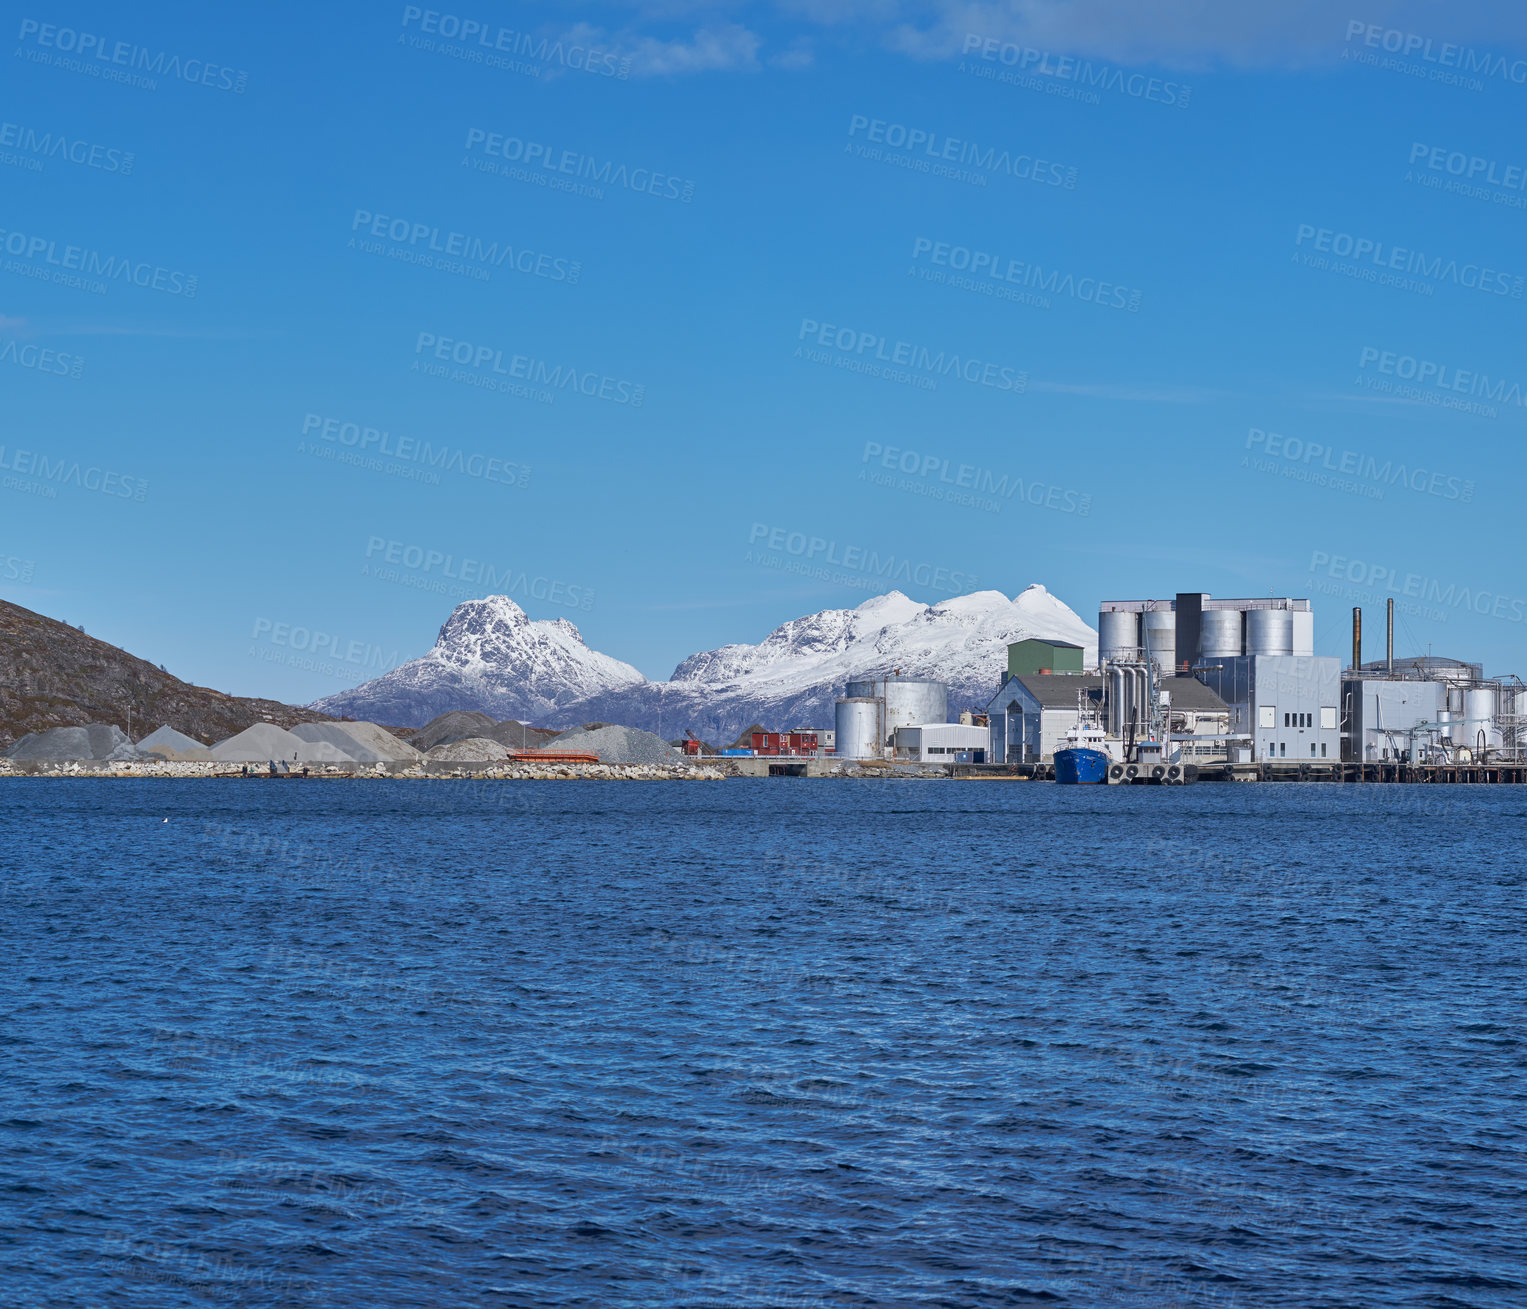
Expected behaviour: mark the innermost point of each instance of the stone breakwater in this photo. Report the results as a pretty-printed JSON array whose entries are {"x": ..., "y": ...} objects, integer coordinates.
[{"x": 530, "y": 772}]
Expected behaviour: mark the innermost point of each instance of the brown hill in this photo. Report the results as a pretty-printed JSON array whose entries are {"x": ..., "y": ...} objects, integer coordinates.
[{"x": 53, "y": 675}]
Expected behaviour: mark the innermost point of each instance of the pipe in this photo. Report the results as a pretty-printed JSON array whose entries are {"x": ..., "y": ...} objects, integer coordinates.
[
  {"x": 1389, "y": 637},
  {"x": 1357, "y": 639}
]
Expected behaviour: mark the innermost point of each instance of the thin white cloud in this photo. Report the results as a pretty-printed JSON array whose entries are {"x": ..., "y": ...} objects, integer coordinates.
[
  {"x": 712, "y": 48},
  {"x": 1134, "y": 391},
  {"x": 1179, "y": 34}
]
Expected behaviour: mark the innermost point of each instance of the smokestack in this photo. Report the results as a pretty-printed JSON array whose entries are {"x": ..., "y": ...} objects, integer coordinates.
[
  {"x": 1357, "y": 638},
  {"x": 1389, "y": 638}
]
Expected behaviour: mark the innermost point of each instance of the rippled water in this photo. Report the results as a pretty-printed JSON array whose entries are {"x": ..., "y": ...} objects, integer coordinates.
[{"x": 761, "y": 1043}]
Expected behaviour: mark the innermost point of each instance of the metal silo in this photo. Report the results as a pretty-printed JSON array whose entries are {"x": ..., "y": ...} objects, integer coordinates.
[
  {"x": 910, "y": 702},
  {"x": 1269, "y": 632},
  {"x": 857, "y": 723},
  {"x": 1118, "y": 634},
  {"x": 1304, "y": 631},
  {"x": 1219, "y": 634},
  {"x": 1479, "y": 716},
  {"x": 1159, "y": 628}
]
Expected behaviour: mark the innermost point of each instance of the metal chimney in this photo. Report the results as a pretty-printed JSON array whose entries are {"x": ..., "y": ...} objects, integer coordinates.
[
  {"x": 1389, "y": 638},
  {"x": 1357, "y": 638}
]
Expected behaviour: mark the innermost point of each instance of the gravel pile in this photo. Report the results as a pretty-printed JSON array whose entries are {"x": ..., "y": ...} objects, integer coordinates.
[
  {"x": 97, "y": 741},
  {"x": 365, "y": 743},
  {"x": 378, "y": 741},
  {"x": 457, "y": 725},
  {"x": 617, "y": 745},
  {"x": 265, "y": 741},
  {"x": 167, "y": 743},
  {"x": 475, "y": 749}
]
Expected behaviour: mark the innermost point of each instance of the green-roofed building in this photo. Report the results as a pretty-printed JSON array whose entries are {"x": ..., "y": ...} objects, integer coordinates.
[{"x": 1027, "y": 658}]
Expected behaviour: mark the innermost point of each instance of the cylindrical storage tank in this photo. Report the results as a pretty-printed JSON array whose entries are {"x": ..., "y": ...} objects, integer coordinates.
[
  {"x": 1479, "y": 715},
  {"x": 1159, "y": 629},
  {"x": 856, "y": 726},
  {"x": 1219, "y": 634},
  {"x": 1118, "y": 634},
  {"x": 1269, "y": 632},
  {"x": 1304, "y": 631},
  {"x": 910, "y": 702}
]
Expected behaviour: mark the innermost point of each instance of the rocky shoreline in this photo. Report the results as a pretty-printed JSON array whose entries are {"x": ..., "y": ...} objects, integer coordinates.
[{"x": 319, "y": 772}]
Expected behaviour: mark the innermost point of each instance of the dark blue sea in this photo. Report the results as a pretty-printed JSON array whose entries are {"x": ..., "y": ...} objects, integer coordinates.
[{"x": 761, "y": 1043}]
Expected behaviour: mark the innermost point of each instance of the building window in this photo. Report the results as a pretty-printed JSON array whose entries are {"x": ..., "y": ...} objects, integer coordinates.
[
  {"x": 1312, "y": 749},
  {"x": 1322, "y": 749},
  {"x": 1286, "y": 723},
  {"x": 1282, "y": 749}
]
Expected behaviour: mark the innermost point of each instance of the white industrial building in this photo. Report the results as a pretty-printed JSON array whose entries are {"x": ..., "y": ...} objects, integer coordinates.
[
  {"x": 1256, "y": 654},
  {"x": 1431, "y": 710},
  {"x": 940, "y": 743}
]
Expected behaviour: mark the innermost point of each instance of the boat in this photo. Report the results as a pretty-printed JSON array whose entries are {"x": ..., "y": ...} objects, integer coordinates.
[{"x": 1082, "y": 758}]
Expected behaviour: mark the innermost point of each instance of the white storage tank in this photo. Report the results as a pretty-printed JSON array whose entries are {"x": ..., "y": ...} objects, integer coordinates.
[
  {"x": 908, "y": 701},
  {"x": 1269, "y": 632},
  {"x": 1118, "y": 634},
  {"x": 1304, "y": 631},
  {"x": 857, "y": 731},
  {"x": 1479, "y": 716},
  {"x": 1159, "y": 627},
  {"x": 1219, "y": 634}
]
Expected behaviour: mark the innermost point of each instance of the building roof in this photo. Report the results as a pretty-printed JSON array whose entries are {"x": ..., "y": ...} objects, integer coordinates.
[
  {"x": 1058, "y": 691},
  {"x": 1423, "y": 662},
  {"x": 1040, "y": 640}
]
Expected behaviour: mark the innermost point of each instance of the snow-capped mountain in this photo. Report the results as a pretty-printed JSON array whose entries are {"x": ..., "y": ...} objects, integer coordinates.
[
  {"x": 489, "y": 656},
  {"x": 492, "y": 658},
  {"x": 791, "y": 677}
]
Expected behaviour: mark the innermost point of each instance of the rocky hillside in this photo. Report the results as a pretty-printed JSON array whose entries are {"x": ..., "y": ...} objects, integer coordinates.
[{"x": 52, "y": 675}]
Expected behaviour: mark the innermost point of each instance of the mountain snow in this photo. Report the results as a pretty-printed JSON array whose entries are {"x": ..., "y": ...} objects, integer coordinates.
[
  {"x": 489, "y": 656},
  {"x": 791, "y": 677},
  {"x": 492, "y": 658}
]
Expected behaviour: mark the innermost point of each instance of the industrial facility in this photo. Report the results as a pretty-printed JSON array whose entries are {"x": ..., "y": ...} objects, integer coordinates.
[
  {"x": 1186, "y": 688},
  {"x": 1193, "y": 681},
  {"x": 865, "y": 720}
]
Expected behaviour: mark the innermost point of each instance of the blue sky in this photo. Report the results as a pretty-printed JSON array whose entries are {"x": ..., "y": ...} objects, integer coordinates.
[{"x": 1251, "y": 406}]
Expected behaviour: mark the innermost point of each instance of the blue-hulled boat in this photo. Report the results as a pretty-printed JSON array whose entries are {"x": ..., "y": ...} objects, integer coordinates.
[{"x": 1082, "y": 760}]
